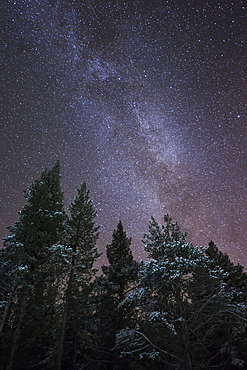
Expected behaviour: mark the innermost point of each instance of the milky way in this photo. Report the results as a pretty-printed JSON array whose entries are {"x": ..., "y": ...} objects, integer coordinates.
[{"x": 146, "y": 101}]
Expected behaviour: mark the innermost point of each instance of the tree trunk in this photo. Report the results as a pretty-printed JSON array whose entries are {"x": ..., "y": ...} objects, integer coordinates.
[
  {"x": 6, "y": 310},
  {"x": 18, "y": 331},
  {"x": 186, "y": 351},
  {"x": 65, "y": 317}
]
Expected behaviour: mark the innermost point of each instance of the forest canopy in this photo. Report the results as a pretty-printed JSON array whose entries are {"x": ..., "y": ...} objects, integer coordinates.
[{"x": 185, "y": 307}]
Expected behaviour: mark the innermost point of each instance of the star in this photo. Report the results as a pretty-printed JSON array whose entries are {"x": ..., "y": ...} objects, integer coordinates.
[{"x": 145, "y": 102}]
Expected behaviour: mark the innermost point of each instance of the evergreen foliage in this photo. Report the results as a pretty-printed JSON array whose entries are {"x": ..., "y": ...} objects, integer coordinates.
[
  {"x": 186, "y": 315},
  {"x": 77, "y": 311},
  {"x": 31, "y": 271},
  {"x": 183, "y": 308},
  {"x": 122, "y": 269},
  {"x": 118, "y": 279}
]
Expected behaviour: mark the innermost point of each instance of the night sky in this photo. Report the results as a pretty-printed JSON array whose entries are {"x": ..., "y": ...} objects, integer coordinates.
[{"x": 145, "y": 101}]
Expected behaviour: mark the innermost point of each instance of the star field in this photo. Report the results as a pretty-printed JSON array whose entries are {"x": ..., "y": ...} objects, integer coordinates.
[{"x": 145, "y": 101}]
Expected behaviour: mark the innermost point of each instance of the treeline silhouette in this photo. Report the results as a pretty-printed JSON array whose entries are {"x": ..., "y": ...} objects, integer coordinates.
[{"x": 183, "y": 308}]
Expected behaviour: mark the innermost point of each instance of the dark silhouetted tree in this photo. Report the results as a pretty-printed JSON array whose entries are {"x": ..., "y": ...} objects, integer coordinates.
[
  {"x": 77, "y": 307},
  {"x": 118, "y": 280},
  {"x": 185, "y": 313},
  {"x": 30, "y": 265}
]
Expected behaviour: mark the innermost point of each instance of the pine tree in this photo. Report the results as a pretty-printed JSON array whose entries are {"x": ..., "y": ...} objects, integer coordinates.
[
  {"x": 235, "y": 276},
  {"x": 186, "y": 313},
  {"x": 236, "y": 281},
  {"x": 83, "y": 235},
  {"x": 118, "y": 280},
  {"x": 122, "y": 269},
  {"x": 31, "y": 254}
]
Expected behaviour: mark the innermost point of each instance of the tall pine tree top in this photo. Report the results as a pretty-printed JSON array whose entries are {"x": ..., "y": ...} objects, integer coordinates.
[
  {"x": 82, "y": 229},
  {"x": 162, "y": 241},
  {"x": 122, "y": 269},
  {"x": 41, "y": 220},
  {"x": 119, "y": 252}
]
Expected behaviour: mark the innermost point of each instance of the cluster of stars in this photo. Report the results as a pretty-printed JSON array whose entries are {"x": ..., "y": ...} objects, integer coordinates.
[{"x": 145, "y": 101}]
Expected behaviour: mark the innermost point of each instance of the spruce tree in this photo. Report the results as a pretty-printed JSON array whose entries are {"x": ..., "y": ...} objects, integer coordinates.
[
  {"x": 31, "y": 255},
  {"x": 122, "y": 269},
  {"x": 82, "y": 253},
  {"x": 118, "y": 280}
]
